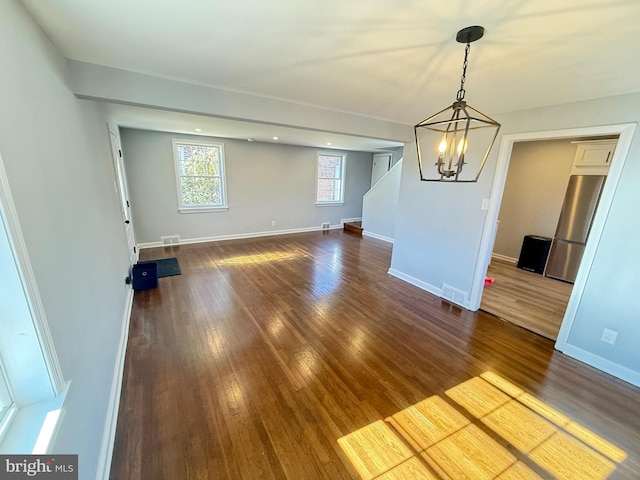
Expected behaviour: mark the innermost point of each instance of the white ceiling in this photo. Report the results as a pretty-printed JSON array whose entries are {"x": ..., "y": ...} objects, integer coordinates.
[{"x": 391, "y": 59}]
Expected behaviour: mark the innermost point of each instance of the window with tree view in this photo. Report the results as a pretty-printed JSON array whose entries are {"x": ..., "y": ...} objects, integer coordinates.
[
  {"x": 330, "y": 178},
  {"x": 200, "y": 175}
]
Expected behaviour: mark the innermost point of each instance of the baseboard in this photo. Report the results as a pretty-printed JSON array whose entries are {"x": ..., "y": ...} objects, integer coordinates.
[
  {"x": 108, "y": 437},
  {"x": 596, "y": 361},
  {"x": 504, "y": 258},
  {"x": 416, "y": 282},
  {"x": 237, "y": 236},
  {"x": 378, "y": 236}
]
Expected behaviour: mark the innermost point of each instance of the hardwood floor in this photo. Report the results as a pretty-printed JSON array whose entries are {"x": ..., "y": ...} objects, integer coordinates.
[
  {"x": 528, "y": 299},
  {"x": 269, "y": 358}
]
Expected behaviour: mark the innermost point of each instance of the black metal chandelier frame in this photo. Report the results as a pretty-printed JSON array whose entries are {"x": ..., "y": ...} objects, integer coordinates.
[{"x": 463, "y": 119}]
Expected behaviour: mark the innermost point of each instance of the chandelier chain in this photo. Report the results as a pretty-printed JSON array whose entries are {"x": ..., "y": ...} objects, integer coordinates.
[{"x": 461, "y": 92}]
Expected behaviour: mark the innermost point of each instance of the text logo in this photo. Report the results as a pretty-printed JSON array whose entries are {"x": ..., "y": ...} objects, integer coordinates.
[{"x": 49, "y": 467}]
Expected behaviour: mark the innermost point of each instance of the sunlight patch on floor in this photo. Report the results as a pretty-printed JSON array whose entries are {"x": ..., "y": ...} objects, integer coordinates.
[
  {"x": 492, "y": 430},
  {"x": 260, "y": 258}
]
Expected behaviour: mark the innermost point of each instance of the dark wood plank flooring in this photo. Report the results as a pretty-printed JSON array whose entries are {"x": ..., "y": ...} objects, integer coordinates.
[{"x": 264, "y": 352}]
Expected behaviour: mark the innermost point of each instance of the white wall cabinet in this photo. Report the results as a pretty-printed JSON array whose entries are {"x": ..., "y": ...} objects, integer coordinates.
[{"x": 593, "y": 157}]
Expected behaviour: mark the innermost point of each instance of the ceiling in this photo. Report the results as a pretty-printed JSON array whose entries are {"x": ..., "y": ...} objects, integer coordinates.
[
  {"x": 390, "y": 59},
  {"x": 166, "y": 121}
]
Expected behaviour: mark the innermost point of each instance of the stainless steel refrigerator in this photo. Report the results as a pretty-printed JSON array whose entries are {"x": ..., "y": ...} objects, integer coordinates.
[{"x": 576, "y": 217}]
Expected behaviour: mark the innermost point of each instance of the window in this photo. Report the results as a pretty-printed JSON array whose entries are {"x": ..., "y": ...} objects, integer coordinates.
[
  {"x": 31, "y": 382},
  {"x": 200, "y": 176},
  {"x": 330, "y": 179}
]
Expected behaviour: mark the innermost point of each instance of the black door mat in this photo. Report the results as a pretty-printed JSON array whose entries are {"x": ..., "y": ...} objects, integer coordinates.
[{"x": 167, "y": 267}]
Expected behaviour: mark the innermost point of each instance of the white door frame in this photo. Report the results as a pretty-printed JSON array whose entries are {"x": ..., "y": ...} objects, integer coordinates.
[
  {"x": 626, "y": 132},
  {"x": 390, "y": 161}
]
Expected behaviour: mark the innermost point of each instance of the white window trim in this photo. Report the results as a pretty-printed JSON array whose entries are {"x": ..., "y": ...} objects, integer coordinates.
[
  {"x": 5, "y": 418},
  {"x": 343, "y": 178},
  {"x": 10, "y": 217},
  {"x": 203, "y": 209},
  {"x": 223, "y": 178},
  {"x": 29, "y": 415}
]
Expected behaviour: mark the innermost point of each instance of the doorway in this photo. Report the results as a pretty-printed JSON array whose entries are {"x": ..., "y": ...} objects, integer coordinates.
[
  {"x": 625, "y": 132},
  {"x": 381, "y": 165},
  {"x": 123, "y": 195},
  {"x": 526, "y": 287}
]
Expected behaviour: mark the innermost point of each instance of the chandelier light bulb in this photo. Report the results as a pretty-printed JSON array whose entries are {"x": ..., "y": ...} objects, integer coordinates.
[
  {"x": 462, "y": 146},
  {"x": 443, "y": 145}
]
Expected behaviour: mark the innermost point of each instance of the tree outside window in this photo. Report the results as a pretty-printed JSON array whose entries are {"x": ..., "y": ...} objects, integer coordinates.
[
  {"x": 200, "y": 175},
  {"x": 330, "y": 178}
]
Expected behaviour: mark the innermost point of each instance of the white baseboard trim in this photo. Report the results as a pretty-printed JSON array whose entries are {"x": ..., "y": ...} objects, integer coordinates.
[
  {"x": 153, "y": 245},
  {"x": 415, "y": 281},
  {"x": 237, "y": 236},
  {"x": 504, "y": 258},
  {"x": 378, "y": 236},
  {"x": 596, "y": 361},
  {"x": 353, "y": 219},
  {"x": 108, "y": 437}
]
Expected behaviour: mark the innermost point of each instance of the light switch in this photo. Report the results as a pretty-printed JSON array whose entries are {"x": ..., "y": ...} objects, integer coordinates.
[{"x": 485, "y": 204}]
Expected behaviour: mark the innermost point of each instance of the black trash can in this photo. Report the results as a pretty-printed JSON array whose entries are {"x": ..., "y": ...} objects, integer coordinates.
[
  {"x": 534, "y": 253},
  {"x": 145, "y": 276}
]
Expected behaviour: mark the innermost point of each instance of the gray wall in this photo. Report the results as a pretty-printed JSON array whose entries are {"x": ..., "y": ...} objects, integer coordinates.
[
  {"x": 610, "y": 297},
  {"x": 111, "y": 84},
  {"x": 533, "y": 194},
  {"x": 380, "y": 205},
  {"x": 55, "y": 150},
  {"x": 265, "y": 182}
]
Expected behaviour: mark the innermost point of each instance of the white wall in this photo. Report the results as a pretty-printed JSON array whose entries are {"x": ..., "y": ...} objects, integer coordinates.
[
  {"x": 56, "y": 153},
  {"x": 533, "y": 194},
  {"x": 380, "y": 205},
  {"x": 434, "y": 239},
  {"x": 265, "y": 182},
  {"x": 443, "y": 246}
]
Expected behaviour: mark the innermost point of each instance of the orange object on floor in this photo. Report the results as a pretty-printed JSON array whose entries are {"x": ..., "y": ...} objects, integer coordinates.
[{"x": 488, "y": 281}]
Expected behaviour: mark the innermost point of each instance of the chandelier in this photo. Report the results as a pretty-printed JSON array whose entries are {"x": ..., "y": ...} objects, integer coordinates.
[{"x": 457, "y": 135}]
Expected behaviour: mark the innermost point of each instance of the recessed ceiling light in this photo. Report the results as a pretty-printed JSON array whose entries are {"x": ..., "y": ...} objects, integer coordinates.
[
  {"x": 275, "y": 138},
  {"x": 249, "y": 139},
  {"x": 198, "y": 129},
  {"x": 329, "y": 143}
]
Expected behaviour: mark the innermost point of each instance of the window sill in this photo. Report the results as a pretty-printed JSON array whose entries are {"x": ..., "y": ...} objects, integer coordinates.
[
  {"x": 329, "y": 204},
  {"x": 203, "y": 209},
  {"x": 33, "y": 428}
]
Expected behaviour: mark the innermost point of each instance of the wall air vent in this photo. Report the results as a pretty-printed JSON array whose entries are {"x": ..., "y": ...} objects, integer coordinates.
[
  {"x": 453, "y": 295},
  {"x": 170, "y": 240}
]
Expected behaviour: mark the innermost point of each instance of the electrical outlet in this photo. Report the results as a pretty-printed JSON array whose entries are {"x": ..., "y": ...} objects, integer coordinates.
[
  {"x": 325, "y": 225},
  {"x": 609, "y": 336},
  {"x": 273, "y": 223}
]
